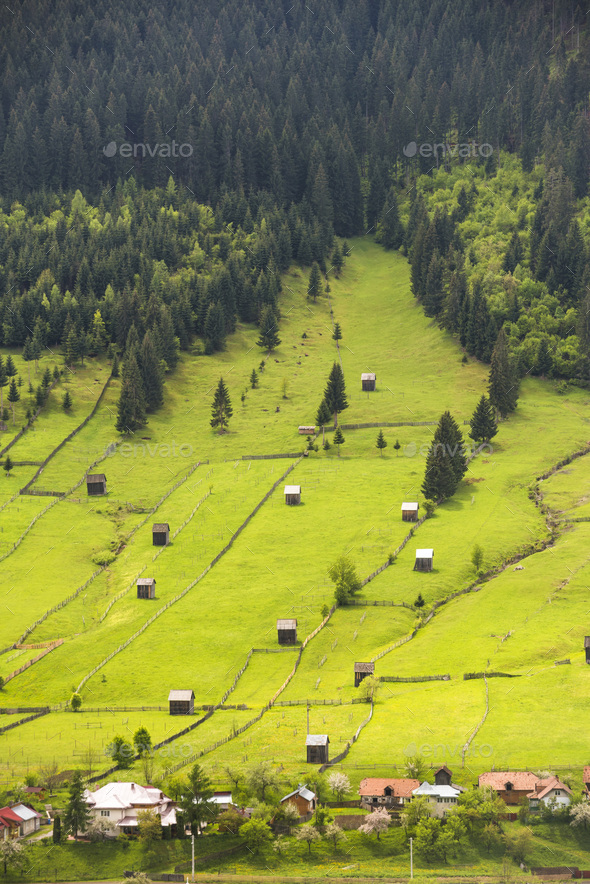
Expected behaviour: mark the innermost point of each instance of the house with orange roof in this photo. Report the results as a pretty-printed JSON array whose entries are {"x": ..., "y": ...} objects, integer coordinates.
[
  {"x": 510, "y": 785},
  {"x": 386, "y": 791},
  {"x": 549, "y": 791}
]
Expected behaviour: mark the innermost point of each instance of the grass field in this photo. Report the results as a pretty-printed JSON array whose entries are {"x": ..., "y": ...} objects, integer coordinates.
[{"x": 519, "y": 622}]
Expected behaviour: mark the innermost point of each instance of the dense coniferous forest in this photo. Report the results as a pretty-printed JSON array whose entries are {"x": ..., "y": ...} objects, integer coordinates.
[{"x": 161, "y": 165}]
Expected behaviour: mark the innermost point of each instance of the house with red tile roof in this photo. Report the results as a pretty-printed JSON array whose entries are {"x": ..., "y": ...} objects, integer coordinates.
[
  {"x": 387, "y": 791},
  {"x": 510, "y": 785},
  {"x": 549, "y": 791},
  {"x": 10, "y": 824}
]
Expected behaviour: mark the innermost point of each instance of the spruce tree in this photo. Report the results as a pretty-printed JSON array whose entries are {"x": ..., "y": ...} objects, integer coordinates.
[
  {"x": 10, "y": 367},
  {"x": 483, "y": 422},
  {"x": 13, "y": 397},
  {"x": 3, "y": 383},
  {"x": 337, "y": 259},
  {"x": 67, "y": 401},
  {"x": 337, "y": 334},
  {"x": 543, "y": 361},
  {"x": 131, "y": 407},
  {"x": 391, "y": 231},
  {"x": 335, "y": 392},
  {"x": 253, "y": 379},
  {"x": 381, "y": 442},
  {"x": 115, "y": 367},
  {"x": 214, "y": 329},
  {"x": 323, "y": 417},
  {"x": 151, "y": 374},
  {"x": 57, "y": 829},
  {"x": 221, "y": 409},
  {"x": 503, "y": 381},
  {"x": 315, "y": 288},
  {"x": 77, "y": 814},
  {"x": 28, "y": 356},
  {"x": 439, "y": 479},
  {"x": 338, "y": 439},
  {"x": 449, "y": 437},
  {"x": 8, "y": 465},
  {"x": 269, "y": 338}
]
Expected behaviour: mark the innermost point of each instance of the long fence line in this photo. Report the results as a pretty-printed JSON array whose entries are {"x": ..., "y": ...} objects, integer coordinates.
[
  {"x": 69, "y": 437},
  {"x": 411, "y": 678},
  {"x": 338, "y": 702},
  {"x": 187, "y": 588},
  {"x": 268, "y": 456},
  {"x": 29, "y": 424},
  {"x": 121, "y": 594},
  {"x": 38, "y": 714},
  {"x": 29, "y": 527},
  {"x": 476, "y": 730},
  {"x": 40, "y": 656},
  {"x": 350, "y": 744},
  {"x": 301, "y": 649},
  {"x": 153, "y": 509},
  {"x": 369, "y": 603},
  {"x": 469, "y": 675}
]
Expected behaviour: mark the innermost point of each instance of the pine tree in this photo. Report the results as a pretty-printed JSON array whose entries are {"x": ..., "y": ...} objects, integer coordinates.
[
  {"x": 214, "y": 329},
  {"x": 323, "y": 417},
  {"x": 449, "y": 437},
  {"x": 391, "y": 232},
  {"x": 269, "y": 338},
  {"x": 439, "y": 479},
  {"x": 151, "y": 374},
  {"x": 221, "y": 409},
  {"x": 483, "y": 422},
  {"x": 543, "y": 361},
  {"x": 46, "y": 379},
  {"x": 13, "y": 397},
  {"x": 67, "y": 401},
  {"x": 397, "y": 447},
  {"x": 381, "y": 442},
  {"x": 315, "y": 288},
  {"x": 28, "y": 356},
  {"x": 57, "y": 829},
  {"x": 3, "y": 383},
  {"x": 131, "y": 407},
  {"x": 77, "y": 814},
  {"x": 253, "y": 379},
  {"x": 335, "y": 392},
  {"x": 72, "y": 348},
  {"x": 338, "y": 439},
  {"x": 10, "y": 367},
  {"x": 503, "y": 381},
  {"x": 337, "y": 260},
  {"x": 115, "y": 367},
  {"x": 8, "y": 465},
  {"x": 337, "y": 334}
]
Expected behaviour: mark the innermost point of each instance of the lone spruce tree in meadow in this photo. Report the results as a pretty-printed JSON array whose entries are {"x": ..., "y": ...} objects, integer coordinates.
[
  {"x": 337, "y": 335},
  {"x": 339, "y": 439},
  {"x": 446, "y": 463},
  {"x": 504, "y": 382},
  {"x": 483, "y": 425},
  {"x": 13, "y": 397},
  {"x": 8, "y": 465},
  {"x": 381, "y": 442},
  {"x": 315, "y": 288},
  {"x": 131, "y": 407},
  {"x": 67, "y": 401},
  {"x": 335, "y": 392},
  {"x": 221, "y": 409},
  {"x": 77, "y": 815},
  {"x": 323, "y": 417},
  {"x": 269, "y": 338}
]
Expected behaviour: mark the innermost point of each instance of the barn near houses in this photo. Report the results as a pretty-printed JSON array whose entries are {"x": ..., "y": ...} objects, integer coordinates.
[
  {"x": 317, "y": 748},
  {"x": 146, "y": 588},
  {"x": 409, "y": 512},
  {"x": 587, "y": 647},
  {"x": 361, "y": 670},
  {"x": 287, "y": 631},
  {"x": 368, "y": 382},
  {"x": 181, "y": 702},
  {"x": 161, "y": 534},
  {"x": 424, "y": 559},
  {"x": 96, "y": 484},
  {"x": 292, "y": 495}
]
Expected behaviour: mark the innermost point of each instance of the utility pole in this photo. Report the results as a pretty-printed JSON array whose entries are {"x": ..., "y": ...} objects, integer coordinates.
[
  {"x": 308, "y": 716},
  {"x": 193, "y": 855},
  {"x": 411, "y": 858}
]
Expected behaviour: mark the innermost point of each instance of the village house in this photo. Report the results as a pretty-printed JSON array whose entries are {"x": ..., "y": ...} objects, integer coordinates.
[
  {"x": 549, "y": 791},
  {"x": 119, "y": 803},
  {"x": 386, "y": 791},
  {"x": 30, "y": 819},
  {"x": 442, "y": 798},
  {"x": 303, "y": 799},
  {"x": 223, "y": 800},
  {"x": 10, "y": 824},
  {"x": 510, "y": 785}
]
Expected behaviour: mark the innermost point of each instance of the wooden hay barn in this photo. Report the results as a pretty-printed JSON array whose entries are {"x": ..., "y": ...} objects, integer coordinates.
[
  {"x": 587, "y": 647},
  {"x": 292, "y": 495},
  {"x": 409, "y": 512},
  {"x": 306, "y": 431},
  {"x": 361, "y": 670},
  {"x": 96, "y": 484},
  {"x": 161, "y": 534},
  {"x": 146, "y": 588},
  {"x": 287, "y": 631},
  {"x": 181, "y": 702},
  {"x": 424, "y": 559},
  {"x": 317, "y": 748},
  {"x": 368, "y": 382}
]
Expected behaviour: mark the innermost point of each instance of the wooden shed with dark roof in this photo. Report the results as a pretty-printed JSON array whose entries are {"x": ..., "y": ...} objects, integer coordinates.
[
  {"x": 96, "y": 483},
  {"x": 181, "y": 702},
  {"x": 368, "y": 382},
  {"x": 161, "y": 534},
  {"x": 287, "y": 632},
  {"x": 146, "y": 588},
  {"x": 361, "y": 670},
  {"x": 317, "y": 748},
  {"x": 587, "y": 647}
]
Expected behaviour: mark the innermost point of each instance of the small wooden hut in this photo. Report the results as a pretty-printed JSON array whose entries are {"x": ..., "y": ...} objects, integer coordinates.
[
  {"x": 96, "y": 484},
  {"x": 146, "y": 588},
  {"x": 317, "y": 748},
  {"x": 409, "y": 512},
  {"x": 424, "y": 559},
  {"x": 287, "y": 631},
  {"x": 292, "y": 495},
  {"x": 443, "y": 776},
  {"x": 181, "y": 702},
  {"x": 161, "y": 534},
  {"x": 306, "y": 431},
  {"x": 361, "y": 670},
  {"x": 587, "y": 647},
  {"x": 368, "y": 381}
]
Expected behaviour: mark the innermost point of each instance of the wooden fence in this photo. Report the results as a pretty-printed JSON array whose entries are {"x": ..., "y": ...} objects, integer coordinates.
[
  {"x": 389, "y": 424},
  {"x": 468, "y": 675},
  {"x": 40, "y": 656},
  {"x": 29, "y": 527},
  {"x": 373, "y": 602},
  {"x": 478, "y": 727},
  {"x": 350, "y": 744},
  {"x": 338, "y": 702},
  {"x": 27, "y": 426},
  {"x": 268, "y": 456},
  {"x": 411, "y": 678},
  {"x": 24, "y": 720},
  {"x": 68, "y": 437}
]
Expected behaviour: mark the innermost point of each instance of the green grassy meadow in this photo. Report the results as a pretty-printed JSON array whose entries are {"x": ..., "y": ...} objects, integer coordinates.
[{"x": 519, "y": 622}]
